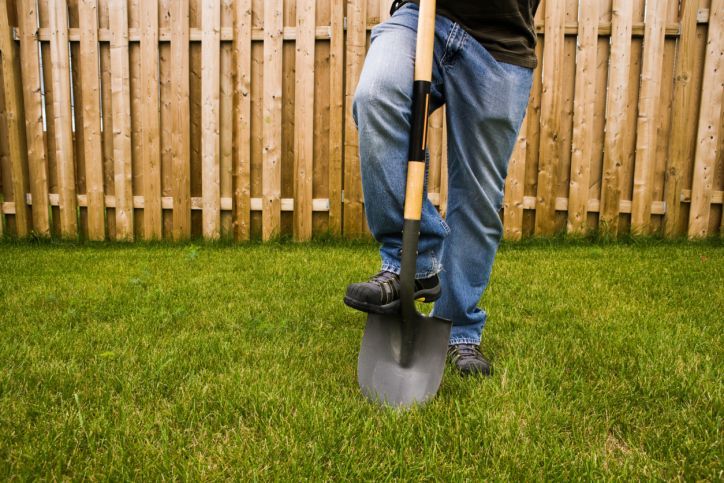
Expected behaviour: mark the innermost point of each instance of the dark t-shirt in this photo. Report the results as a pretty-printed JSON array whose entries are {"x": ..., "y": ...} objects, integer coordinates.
[{"x": 504, "y": 27}]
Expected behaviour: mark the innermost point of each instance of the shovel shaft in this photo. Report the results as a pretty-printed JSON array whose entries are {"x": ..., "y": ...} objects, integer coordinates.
[{"x": 416, "y": 175}]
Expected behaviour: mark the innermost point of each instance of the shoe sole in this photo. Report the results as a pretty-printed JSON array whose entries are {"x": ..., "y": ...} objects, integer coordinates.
[{"x": 426, "y": 296}]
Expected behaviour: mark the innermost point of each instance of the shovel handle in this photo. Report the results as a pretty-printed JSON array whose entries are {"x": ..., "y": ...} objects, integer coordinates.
[
  {"x": 414, "y": 189},
  {"x": 420, "y": 108}
]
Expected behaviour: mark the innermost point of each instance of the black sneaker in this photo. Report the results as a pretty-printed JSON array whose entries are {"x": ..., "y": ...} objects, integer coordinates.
[
  {"x": 381, "y": 294},
  {"x": 468, "y": 359}
]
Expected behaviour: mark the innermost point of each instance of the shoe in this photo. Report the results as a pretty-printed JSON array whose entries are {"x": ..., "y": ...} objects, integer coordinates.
[
  {"x": 468, "y": 360},
  {"x": 381, "y": 294}
]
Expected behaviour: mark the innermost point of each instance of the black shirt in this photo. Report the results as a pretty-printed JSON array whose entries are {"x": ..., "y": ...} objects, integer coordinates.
[{"x": 504, "y": 27}]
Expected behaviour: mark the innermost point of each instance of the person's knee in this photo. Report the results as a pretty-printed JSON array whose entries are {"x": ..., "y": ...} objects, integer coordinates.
[{"x": 379, "y": 94}]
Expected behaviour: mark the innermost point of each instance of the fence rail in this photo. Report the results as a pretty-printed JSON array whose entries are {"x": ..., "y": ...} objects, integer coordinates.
[{"x": 167, "y": 119}]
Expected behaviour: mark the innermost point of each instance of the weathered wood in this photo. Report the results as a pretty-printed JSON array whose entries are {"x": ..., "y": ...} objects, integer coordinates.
[
  {"x": 181, "y": 123},
  {"x": 58, "y": 13},
  {"x": 551, "y": 104},
  {"x": 613, "y": 147},
  {"x": 33, "y": 103},
  {"x": 15, "y": 118},
  {"x": 272, "y": 120},
  {"x": 210, "y": 119},
  {"x": 121, "y": 100},
  {"x": 304, "y": 120},
  {"x": 707, "y": 138},
  {"x": 336, "y": 116},
  {"x": 583, "y": 114},
  {"x": 354, "y": 221},
  {"x": 92, "y": 142},
  {"x": 514, "y": 188},
  {"x": 150, "y": 120},
  {"x": 242, "y": 120},
  {"x": 653, "y": 55}
]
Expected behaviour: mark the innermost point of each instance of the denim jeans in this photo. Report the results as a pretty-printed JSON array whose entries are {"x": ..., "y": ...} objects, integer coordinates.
[{"x": 485, "y": 104}]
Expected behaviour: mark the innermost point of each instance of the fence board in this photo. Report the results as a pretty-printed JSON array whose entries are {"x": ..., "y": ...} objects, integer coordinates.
[
  {"x": 15, "y": 118},
  {"x": 242, "y": 120},
  {"x": 121, "y": 106},
  {"x": 514, "y": 188},
  {"x": 60, "y": 60},
  {"x": 304, "y": 120},
  {"x": 107, "y": 118},
  {"x": 653, "y": 54},
  {"x": 33, "y": 103},
  {"x": 707, "y": 138},
  {"x": 613, "y": 148},
  {"x": 583, "y": 107},
  {"x": 272, "y": 119},
  {"x": 682, "y": 116},
  {"x": 336, "y": 115},
  {"x": 210, "y": 118},
  {"x": 356, "y": 44},
  {"x": 551, "y": 104},
  {"x": 180, "y": 123},
  {"x": 150, "y": 120},
  {"x": 92, "y": 143}
]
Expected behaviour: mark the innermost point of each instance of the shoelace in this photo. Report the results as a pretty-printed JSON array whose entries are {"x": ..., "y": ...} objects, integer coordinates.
[
  {"x": 389, "y": 283},
  {"x": 463, "y": 351}
]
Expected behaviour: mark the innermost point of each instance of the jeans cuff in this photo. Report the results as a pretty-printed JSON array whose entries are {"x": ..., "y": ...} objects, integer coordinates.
[
  {"x": 434, "y": 270},
  {"x": 463, "y": 340}
]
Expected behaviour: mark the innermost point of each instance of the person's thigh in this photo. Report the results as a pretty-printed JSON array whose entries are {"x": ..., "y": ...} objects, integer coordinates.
[{"x": 486, "y": 102}]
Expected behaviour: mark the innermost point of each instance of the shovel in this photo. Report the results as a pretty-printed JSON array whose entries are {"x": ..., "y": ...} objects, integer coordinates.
[{"x": 402, "y": 357}]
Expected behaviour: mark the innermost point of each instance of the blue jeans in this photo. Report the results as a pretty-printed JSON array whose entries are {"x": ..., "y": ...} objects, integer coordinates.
[{"x": 486, "y": 101}]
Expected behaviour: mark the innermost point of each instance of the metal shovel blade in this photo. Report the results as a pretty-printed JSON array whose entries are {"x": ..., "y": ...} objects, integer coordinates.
[{"x": 383, "y": 379}]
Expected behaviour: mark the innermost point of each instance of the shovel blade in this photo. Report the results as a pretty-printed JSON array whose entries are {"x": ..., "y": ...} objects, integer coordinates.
[{"x": 381, "y": 376}]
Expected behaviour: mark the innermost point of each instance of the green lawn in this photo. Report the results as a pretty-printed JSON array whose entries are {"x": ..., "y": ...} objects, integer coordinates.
[{"x": 200, "y": 361}]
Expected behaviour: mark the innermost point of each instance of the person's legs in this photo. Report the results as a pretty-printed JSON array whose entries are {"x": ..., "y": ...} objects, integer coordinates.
[
  {"x": 486, "y": 102},
  {"x": 382, "y": 112}
]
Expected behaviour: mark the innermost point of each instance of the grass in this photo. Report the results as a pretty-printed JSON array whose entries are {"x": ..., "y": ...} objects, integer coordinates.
[{"x": 207, "y": 362}]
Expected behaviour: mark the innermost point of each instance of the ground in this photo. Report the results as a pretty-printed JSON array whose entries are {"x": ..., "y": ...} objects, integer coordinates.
[{"x": 208, "y": 361}]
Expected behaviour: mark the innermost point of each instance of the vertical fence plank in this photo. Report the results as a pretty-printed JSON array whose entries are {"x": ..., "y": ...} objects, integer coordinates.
[
  {"x": 92, "y": 144},
  {"x": 15, "y": 122},
  {"x": 613, "y": 144},
  {"x": 514, "y": 188},
  {"x": 210, "y": 118},
  {"x": 684, "y": 87},
  {"x": 653, "y": 55},
  {"x": 37, "y": 157},
  {"x": 272, "y": 120},
  {"x": 707, "y": 138},
  {"x": 583, "y": 113},
  {"x": 107, "y": 117},
  {"x": 551, "y": 104},
  {"x": 60, "y": 59},
  {"x": 242, "y": 120},
  {"x": 304, "y": 120},
  {"x": 121, "y": 106},
  {"x": 336, "y": 115},
  {"x": 384, "y": 10},
  {"x": 150, "y": 121},
  {"x": 180, "y": 124},
  {"x": 356, "y": 43}
]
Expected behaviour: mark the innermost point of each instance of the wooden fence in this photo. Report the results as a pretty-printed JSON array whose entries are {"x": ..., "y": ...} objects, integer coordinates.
[{"x": 125, "y": 119}]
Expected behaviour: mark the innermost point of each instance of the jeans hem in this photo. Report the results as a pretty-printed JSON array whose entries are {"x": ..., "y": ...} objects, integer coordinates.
[
  {"x": 463, "y": 340},
  {"x": 436, "y": 268}
]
